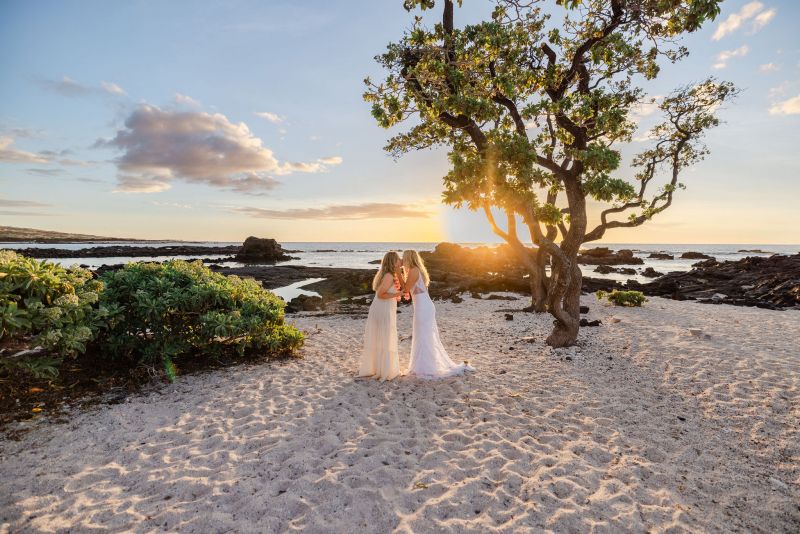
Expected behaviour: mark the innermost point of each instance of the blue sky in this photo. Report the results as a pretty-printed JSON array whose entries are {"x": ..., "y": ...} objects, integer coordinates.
[{"x": 260, "y": 105}]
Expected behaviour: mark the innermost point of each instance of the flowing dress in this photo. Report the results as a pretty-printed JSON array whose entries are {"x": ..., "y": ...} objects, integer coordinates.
[
  {"x": 429, "y": 359},
  {"x": 379, "y": 358}
]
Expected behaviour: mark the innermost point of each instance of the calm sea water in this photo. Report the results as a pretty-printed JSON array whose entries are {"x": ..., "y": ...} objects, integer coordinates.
[{"x": 358, "y": 255}]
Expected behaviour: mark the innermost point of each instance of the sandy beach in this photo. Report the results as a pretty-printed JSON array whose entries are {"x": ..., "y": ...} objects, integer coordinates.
[{"x": 645, "y": 426}]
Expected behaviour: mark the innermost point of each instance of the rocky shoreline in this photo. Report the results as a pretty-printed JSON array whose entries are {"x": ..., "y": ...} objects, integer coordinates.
[{"x": 767, "y": 282}]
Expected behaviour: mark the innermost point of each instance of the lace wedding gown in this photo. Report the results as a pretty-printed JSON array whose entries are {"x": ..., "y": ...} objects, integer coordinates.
[
  {"x": 429, "y": 359},
  {"x": 379, "y": 358}
]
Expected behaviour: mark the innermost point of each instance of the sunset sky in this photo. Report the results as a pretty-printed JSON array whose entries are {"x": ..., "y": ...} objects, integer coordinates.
[{"x": 217, "y": 120}]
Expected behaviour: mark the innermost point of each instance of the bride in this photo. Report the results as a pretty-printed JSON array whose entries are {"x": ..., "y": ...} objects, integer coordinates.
[
  {"x": 379, "y": 357},
  {"x": 429, "y": 359}
]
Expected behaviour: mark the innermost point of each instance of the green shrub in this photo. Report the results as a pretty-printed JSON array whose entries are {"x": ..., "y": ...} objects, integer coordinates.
[
  {"x": 159, "y": 313},
  {"x": 48, "y": 305},
  {"x": 623, "y": 298}
]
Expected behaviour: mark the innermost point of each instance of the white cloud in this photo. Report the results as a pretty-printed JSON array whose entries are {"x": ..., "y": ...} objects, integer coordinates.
[
  {"x": 171, "y": 205},
  {"x": 321, "y": 165},
  {"x": 768, "y": 67},
  {"x": 370, "y": 210},
  {"x": 112, "y": 89},
  {"x": 723, "y": 57},
  {"x": 271, "y": 117},
  {"x": 66, "y": 86},
  {"x": 13, "y": 155},
  {"x": 186, "y": 100},
  {"x": 159, "y": 146},
  {"x": 787, "y": 107},
  {"x": 8, "y": 203},
  {"x": 736, "y": 20},
  {"x": 762, "y": 20}
]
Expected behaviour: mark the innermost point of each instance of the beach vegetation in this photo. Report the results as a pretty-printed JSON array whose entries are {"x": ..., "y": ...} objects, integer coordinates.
[
  {"x": 623, "y": 298},
  {"x": 65, "y": 330}
]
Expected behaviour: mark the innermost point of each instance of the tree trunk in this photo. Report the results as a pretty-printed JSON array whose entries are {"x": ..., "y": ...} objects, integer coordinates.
[
  {"x": 536, "y": 275},
  {"x": 567, "y": 323},
  {"x": 539, "y": 289},
  {"x": 565, "y": 286}
]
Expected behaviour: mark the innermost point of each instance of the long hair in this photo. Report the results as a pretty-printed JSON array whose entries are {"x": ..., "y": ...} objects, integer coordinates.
[
  {"x": 412, "y": 259},
  {"x": 387, "y": 266}
]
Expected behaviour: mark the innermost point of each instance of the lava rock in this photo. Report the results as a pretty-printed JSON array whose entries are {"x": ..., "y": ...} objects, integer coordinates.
[
  {"x": 305, "y": 303},
  {"x": 257, "y": 249},
  {"x": 649, "y": 272},
  {"x": 766, "y": 282},
  {"x": 604, "y": 256},
  {"x": 661, "y": 256},
  {"x": 696, "y": 256}
]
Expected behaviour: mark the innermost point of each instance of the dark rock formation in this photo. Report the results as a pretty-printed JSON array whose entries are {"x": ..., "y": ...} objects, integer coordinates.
[
  {"x": 649, "y": 272},
  {"x": 696, "y": 256},
  {"x": 305, "y": 303},
  {"x": 772, "y": 282},
  {"x": 604, "y": 256},
  {"x": 261, "y": 250},
  {"x": 606, "y": 269},
  {"x": 661, "y": 256}
]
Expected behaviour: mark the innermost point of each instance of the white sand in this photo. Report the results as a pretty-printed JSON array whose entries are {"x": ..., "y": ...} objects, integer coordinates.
[{"x": 646, "y": 428}]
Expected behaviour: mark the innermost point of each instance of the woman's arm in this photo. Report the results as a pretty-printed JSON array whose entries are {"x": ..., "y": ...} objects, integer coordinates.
[
  {"x": 411, "y": 280},
  {"x": 386, "y": 289}
]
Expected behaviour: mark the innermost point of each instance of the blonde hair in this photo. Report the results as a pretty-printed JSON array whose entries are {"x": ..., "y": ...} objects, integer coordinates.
[
  {"x": 387, "y": 266},
  {"x": 412, "y": 259}
]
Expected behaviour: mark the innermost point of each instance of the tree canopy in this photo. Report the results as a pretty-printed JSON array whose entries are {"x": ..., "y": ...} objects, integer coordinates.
[{"x": 534, "y": 112}]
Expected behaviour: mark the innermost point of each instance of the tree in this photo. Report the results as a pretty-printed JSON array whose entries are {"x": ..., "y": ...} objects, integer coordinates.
[{"x": 534, "y": 114}]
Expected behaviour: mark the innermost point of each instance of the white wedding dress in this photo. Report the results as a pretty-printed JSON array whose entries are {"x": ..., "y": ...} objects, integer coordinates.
[
  {"x": 379, "y": 358},
  {"x": 428, "y": 357}
]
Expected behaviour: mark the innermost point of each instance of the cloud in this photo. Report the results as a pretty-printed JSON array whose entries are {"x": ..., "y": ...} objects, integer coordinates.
[
  {"x": 372, "y": 210},
  {"x": 271, "y": 117},
  {"x": 321, "y": 165},
  {"x": 22, "y": 132},
  {"x": 187, "y": 100},
  {"x": 762, "y": 20},
  {"x": 171, "y": 205},
  {"x": 11, "y": 213},
  {"x": 723, "y": 57},
  {"x": 16, "y": 205},
  {"x": 66, "y": 86},
  {"x": 8, "y": 203},
  {"x": 131, "y": 183},
  {"x": 737, "y": 20},
  {"x": 112, "y": 89},
  {"x": 768, "y": 67},
  {"x": 159, "y": 146},
  {"x": 13, "y": 155},
  {"x": 787, "y": 107},
  {"x": 45, "y": 172}
]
